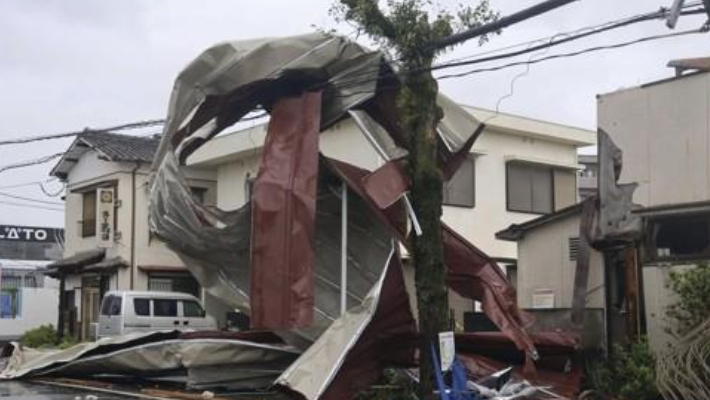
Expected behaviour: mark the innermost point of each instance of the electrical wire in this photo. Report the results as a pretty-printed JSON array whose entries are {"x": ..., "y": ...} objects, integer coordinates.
[
  {"x": 17, "y": 197},
  {"x": 38, "y": 207},
  {"x": 128, "y": 126},
  {"x": 583, "y": 33},
  {"x": 19, "y": 185},
  {"x": 30, "y": 163},
  {"x": 55, "y": 194},
  {"x": 575, "y": 53}
]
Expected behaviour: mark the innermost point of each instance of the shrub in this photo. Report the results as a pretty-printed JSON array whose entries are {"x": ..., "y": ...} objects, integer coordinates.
[
  {"x": 391, "y": 385},
  {"x": 629, "y": 375},
  {"x": 693, "y": 289},
  {"x": 42, "y": 336}
]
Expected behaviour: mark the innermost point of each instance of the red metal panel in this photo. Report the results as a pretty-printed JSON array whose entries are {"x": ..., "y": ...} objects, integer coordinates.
[
  {"x": 283, "y": 219},
  {"x": 387, "y": 340},
  {"x": 471, "y": 273}
]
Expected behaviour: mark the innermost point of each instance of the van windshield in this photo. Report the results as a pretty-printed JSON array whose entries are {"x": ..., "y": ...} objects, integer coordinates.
[{"x": 111, "y": 305}]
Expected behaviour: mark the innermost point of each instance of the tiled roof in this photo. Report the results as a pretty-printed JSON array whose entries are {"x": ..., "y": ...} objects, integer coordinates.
[
  {"x": 123, "y": 147},
  {"x": 113, "y": 146}
]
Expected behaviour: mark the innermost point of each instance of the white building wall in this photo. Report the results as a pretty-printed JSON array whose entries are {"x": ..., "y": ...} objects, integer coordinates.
[
  {"x": 35, "y": 312},
  {"x": 544, "y": 263},
  {"x": 91, "y": 170},
  {"x": 344, "y": 142},
  {"x": 664, "y": 131}
]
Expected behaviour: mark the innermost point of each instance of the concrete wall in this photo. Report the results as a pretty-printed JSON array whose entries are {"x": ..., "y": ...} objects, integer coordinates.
[
  {"x": 39, "y": 307},
  {"x": 657, "y": 298},
  {"x": 664, "y": 132}
]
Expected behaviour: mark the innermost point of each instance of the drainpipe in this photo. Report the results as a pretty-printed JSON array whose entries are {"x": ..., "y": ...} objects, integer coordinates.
[
  {"x": 133, "y": 223},
  {"x": 62, "y": 306}
]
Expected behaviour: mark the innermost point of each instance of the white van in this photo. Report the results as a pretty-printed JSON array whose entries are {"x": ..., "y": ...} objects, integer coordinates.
[{"x": 131, "y": 311}]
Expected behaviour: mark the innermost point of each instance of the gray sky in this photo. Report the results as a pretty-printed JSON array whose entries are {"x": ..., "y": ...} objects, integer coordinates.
[{"x": 69, "y": 64}]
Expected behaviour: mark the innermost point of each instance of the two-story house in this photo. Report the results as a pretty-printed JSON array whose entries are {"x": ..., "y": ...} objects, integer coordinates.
[
  {"x": 108, "y": 245},
  {"x": 518, "y": 169},
  {"x": 663, "y": 130}
]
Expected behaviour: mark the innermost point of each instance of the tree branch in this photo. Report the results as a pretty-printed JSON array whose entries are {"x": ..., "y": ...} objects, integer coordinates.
[{"x": 369, "y": 15}]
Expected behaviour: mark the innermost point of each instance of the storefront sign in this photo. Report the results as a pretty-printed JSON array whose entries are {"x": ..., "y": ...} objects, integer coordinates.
[
  {"x": 105, "y": 217},
  {"x": 12, "y": 233}
]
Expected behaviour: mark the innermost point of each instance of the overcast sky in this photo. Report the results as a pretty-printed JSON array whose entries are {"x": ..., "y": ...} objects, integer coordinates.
[{"x": 70, "y": 64}]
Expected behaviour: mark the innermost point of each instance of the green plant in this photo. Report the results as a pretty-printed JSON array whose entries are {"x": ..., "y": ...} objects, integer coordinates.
[
  {"x": 391, "y": 385},
  {"x": 693, "y": 289},
  {"x": 630, "y": 374},
  {"x": 42, "y": 336},
  {"x": 67, "y": 342}
]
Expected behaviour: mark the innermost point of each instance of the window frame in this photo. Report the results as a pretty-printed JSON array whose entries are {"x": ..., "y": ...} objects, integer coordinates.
[
  {"x": 109, "y": 308},
  {"x": 88, "y": 226},
  {"x": 201, "y": 314},
  {"x": 472, "y": 204},
  {"x": 135, "y": 308},
  {"x": 650, "y": 246},
  {"x": 550, "y": 170},
  {"x": 155, "y": 308}
]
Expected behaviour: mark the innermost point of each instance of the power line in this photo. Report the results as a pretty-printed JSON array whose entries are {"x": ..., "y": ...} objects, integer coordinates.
[
  {"x": 128, "y": 126},
  {"x": 555, "y": 56},
  {"x": 14, "y": 196},
  {"x": 19, "y": 185},
  {"x": 576, "y": 53},
  {"x": 10, "y": 203},
  {"x": 30, "y": 163},
  {"x": 601, "y": 28}
]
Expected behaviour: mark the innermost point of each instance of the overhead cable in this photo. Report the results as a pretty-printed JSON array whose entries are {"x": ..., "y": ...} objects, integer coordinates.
[
  {"x": 39, "y": 207},
  {"x": 29, "y": 163},
  {"x": 14, "y": 196},
  {"x": 128, "y": 126}
]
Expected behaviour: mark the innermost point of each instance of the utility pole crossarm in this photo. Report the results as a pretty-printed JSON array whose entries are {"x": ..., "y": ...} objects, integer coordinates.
[{"x": 506, "y": 21}]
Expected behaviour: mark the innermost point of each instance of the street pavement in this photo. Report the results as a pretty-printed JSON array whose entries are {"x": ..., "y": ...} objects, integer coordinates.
[{"x": 17, "y": 390}]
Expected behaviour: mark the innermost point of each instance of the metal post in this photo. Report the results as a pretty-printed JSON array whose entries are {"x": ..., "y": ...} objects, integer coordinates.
[
  {"x": 344, "y": 251},
  {"x": 383, "y": 154}
]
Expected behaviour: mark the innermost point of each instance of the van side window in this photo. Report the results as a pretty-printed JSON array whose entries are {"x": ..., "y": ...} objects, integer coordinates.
[
  {"x": 111, "y": 305},
  {"x": 141, "y": 307},
  {"x": 164, "y": 308},
  {"x": 191, "y": 309}
]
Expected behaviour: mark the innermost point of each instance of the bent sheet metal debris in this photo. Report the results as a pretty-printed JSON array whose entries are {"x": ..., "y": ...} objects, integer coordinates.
[{"x": 342, "y": 352}]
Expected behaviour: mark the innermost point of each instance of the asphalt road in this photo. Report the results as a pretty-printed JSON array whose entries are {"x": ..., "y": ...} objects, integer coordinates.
[{"x": 16, "y": 390}]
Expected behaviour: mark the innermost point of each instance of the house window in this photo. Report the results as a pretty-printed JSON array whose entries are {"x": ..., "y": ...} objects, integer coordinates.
[
  {"x": 198, "y": 194},
  {"x": 679, "y": 238},
  {"x": 530, "y": 188},
  {"x": 88, "y": 214},
  {"x": 460, "y": 190},
  {"x": 174, "y": 282}
]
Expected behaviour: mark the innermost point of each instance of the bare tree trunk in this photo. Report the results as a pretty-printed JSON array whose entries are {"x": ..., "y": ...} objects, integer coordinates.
[{"x": 420, "y": 116}]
